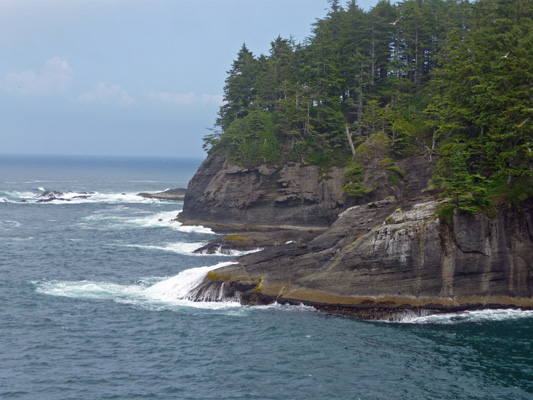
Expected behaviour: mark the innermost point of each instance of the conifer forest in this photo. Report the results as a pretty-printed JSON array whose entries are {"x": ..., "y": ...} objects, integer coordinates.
[{"x": 452, "y": 78}]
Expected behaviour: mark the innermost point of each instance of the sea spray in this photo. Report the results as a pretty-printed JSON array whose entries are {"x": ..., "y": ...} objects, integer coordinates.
[
  {"x": 182, "y": 285},
  {"x": 178, "y": 248},
  {"x": 174, "y": 291},
  {"x": 166, "y": 219}
]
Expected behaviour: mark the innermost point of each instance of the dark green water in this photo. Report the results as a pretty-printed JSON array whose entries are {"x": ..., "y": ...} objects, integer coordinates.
[{"x": 90, "y": 308}]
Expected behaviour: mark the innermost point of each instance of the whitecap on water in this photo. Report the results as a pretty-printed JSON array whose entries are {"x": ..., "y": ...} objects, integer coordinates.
[
  {"x": 74, "y": 197},
  {"x": 179, "y": 248},
  {"x": 164, "y": 219},
  {"x": 88, "y": 289},
  {"x": 189, "y": 249},
  {"x": 166, "y": 293},
  {"x": 8, "y": 225},
  {"x": 469, "y": 316},
  {"x": 231, "y": 253},
  {"x": 16, "y": 196}
]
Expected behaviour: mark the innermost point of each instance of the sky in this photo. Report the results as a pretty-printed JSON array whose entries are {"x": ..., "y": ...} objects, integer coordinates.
[{"x": 129, "y": 77}]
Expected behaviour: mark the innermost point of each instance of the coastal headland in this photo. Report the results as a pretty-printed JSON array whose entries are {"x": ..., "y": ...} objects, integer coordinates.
[{"x": 390, "y": 255}]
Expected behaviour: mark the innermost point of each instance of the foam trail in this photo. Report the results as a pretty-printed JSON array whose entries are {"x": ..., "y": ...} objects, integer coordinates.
[
  {"x": 8, "y": 225},
  {"x": 166, "y": 219},
  {"x": 179, "y": 248},
  {"x": 16, "y": 196},
  {"x": 231, "y": 253},
  {"x": 469, "y": 316},
  {"x": 88, "y": 290},
  {"x": 170, "y": 292},
  {"x": 70, "y": 197},
  {"x": 190, "y": 228}
]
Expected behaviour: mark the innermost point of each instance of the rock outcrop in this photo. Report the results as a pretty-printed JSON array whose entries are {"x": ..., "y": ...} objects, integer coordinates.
[
  {"x": 293, "y": 196},
  {"x": 170, "y": 194},
  {"x": 52, "y": 195},
  {"x": 378, "y": 261},
  {"x": 387, "y": 255}
]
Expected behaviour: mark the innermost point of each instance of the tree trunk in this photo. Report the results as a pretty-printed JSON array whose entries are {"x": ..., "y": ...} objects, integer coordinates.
[{"x": 349, "y": 136}]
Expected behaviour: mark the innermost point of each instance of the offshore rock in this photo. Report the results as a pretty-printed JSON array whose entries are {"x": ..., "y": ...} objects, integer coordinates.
[
  {"x": 170, "y": 194},
  {"x": 380, "y": 262},
  {"x": 254, "y": 240},
  {"x": 52, "y": 195},
  {"x": 294, "y": 196}
]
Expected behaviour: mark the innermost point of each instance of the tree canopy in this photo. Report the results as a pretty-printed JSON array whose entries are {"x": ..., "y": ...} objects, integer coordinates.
[{"x": 456, "y": 75}]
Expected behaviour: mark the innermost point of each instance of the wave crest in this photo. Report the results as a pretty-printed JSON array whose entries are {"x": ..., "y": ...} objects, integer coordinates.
[{"x": 170, "y": 292}]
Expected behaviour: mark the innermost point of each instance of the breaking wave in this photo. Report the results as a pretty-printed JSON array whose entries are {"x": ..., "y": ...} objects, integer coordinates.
[
  {"x": 173, "y": 292},
  {"x": 68, "y": 197},
  {"x": 165, "y": 219},
  {"x": 179, "y": 248}
]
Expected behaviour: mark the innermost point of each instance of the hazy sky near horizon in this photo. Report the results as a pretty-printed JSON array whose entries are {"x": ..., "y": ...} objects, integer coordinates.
[{"x": 128, "y": 77}]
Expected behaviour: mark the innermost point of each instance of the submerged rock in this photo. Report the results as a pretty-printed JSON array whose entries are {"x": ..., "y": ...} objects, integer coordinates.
[{"x": 52, "y": 195}]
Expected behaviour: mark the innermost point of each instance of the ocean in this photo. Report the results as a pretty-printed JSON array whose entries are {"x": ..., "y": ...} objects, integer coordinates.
[{"x": 93, "y": 305}]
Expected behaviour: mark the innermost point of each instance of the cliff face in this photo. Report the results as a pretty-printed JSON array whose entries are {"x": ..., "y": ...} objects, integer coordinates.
[
  {"x": 377, "y": 261},
  {"x": 294, "y": 196},
  {"x": 386, "y": 256}
]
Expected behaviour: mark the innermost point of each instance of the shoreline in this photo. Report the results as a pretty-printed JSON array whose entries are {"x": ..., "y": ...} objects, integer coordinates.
[{"x": 360, "y": 272}]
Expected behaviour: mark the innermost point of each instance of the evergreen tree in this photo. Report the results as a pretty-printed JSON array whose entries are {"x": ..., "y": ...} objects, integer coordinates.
[
  {"x": 239, "y": 90},
  {"x": 453, "y": 74}
]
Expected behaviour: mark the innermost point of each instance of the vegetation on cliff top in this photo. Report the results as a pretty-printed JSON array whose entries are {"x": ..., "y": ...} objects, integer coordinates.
[{"x": 454, "y": 76}]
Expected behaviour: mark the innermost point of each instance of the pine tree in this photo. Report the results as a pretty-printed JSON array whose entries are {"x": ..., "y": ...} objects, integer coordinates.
[{"x": 239, "y": 90}]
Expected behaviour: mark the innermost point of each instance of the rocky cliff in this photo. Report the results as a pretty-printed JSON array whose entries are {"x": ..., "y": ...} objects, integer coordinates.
[
  {"x": 387, "y": 255},
  {"x": 293, "y": 196},
  {"x": 378, "y": 261}
]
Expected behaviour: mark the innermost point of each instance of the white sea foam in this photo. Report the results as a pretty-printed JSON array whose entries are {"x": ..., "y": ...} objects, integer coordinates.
[
  {"x": 179, "y": 248},
  {"x": 166, "y": 219},
  {"x": 70, "y": 197},
  {"x": 167, "y": 293},
  {"x": 469, "y": 316},
  {"x": 231, "y": 253},
  {"x": 176, "y": 225},
  {"x": 17, "y": 196},
  {"x": 88, "y": 290},
  {"x": 96, "y": 197},
  {"x": 181, "y": 285},
  {"x": 8, "y": 225}
]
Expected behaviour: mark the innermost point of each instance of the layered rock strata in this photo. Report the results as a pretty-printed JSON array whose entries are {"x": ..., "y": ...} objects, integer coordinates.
[
  {"x": 294, "y": 196},
  {"x": 387, "y": 255},
  {"x": 379, "y": 261}
]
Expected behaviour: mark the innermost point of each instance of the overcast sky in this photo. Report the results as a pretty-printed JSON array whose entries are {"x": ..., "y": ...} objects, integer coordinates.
[{"x": 128, "y": 77}]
